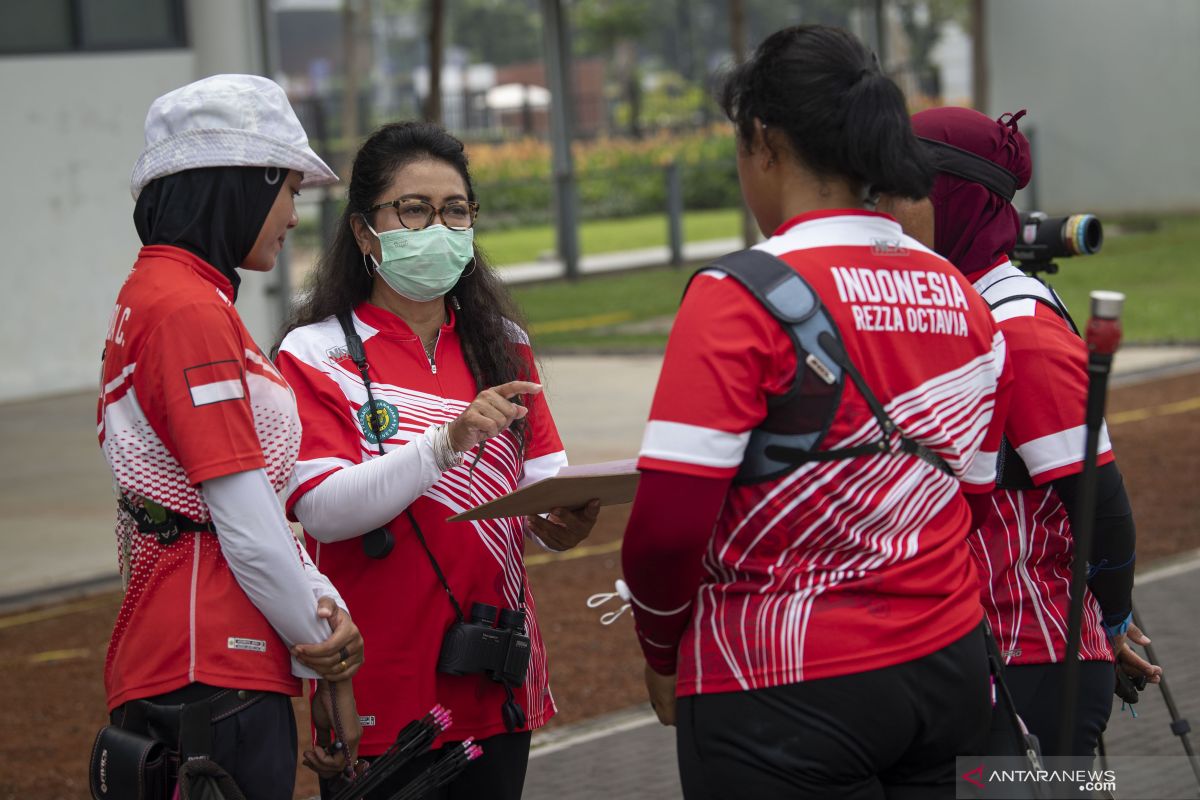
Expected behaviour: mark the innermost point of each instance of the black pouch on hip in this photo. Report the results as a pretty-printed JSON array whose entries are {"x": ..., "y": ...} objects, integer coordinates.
[
  {"x": 128, "y": 766},
  {"x": 204, "y": 779}
]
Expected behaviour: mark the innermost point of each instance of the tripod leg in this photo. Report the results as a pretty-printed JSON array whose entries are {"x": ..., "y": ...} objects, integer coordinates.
[{"x": 1179, "y": 725}]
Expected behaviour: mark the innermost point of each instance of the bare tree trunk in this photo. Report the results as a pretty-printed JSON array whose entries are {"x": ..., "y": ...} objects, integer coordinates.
[
  {"x": 737, "y": 35},
  {"x": 437, "y": 21},
  {"x": 737, "y": 30},
  {"x": 979, "y": 56},
  {"x": 625, "y": 62},
  {"x": 881, "y": 37},
  {"x": 352, "y": 55}
]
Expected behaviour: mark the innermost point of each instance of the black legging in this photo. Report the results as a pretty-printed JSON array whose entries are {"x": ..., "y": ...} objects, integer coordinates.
[
  {"x": 889, "y": 733},
  {"x": 1037, "y": 693}
]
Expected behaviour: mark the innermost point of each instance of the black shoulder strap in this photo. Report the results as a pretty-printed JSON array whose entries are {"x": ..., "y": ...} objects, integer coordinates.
[
  {"x": 795, "y": 305},
  {"x": 358, "y": 355},
  {"x": 1052, "y": 301},
  {"x": 775, "y": 285},
  {"x": 354, "y": 346}
]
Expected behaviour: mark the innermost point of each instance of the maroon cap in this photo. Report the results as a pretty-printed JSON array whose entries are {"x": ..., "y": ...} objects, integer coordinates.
[{"x": 973, "y": 225}]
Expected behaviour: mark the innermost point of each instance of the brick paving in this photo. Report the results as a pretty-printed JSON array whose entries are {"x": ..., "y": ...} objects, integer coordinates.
[{"x": 628, "y": 755}]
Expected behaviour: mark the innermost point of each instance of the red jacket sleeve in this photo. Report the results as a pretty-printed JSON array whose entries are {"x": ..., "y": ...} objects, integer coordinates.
[
  {"x": 662, "y": 556},
  {"x": 1049, "y": 398}
]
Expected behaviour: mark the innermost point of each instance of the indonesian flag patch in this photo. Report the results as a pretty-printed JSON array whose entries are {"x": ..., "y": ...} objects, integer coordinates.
[{"x": 215, "y": 382}]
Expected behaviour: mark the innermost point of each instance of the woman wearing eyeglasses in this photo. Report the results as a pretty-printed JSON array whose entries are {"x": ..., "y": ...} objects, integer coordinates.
[{"x": 420, "y": 399}]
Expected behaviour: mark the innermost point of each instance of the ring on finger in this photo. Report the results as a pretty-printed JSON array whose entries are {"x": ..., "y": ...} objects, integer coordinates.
[{"x": 342, "y": 666}]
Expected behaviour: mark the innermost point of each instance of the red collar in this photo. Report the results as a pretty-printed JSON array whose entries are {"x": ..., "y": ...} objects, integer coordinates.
[
  {"x": 387, "y": 322},
  {"x": 190, "y": 260},
  {"x": 826, "y": 213}
]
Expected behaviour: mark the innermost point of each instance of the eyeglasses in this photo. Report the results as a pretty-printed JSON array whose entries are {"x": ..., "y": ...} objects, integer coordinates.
[{"x": 457, "y": 215}]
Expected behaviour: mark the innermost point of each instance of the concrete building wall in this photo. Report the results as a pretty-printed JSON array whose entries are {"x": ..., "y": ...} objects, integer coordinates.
[
  {"x": 72, "y": 131},
  {"x": 1112, "y": 89},
  {"x": 73, "y": 128}
]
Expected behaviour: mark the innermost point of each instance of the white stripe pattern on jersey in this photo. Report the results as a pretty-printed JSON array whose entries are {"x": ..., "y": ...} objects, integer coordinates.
[
  {"x": 1021, "y": 588},
  {"x": 844, "y": 519},
  {"x": 458, "y": 489},
  {"x": 1059, "y": 449},
  {"x": 216, "y": 392}
]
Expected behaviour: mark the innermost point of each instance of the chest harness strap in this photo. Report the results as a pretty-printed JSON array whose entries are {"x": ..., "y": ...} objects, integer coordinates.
[
  {"x": 798, "y": 421},
  {"x": 1011, "y": 472}
]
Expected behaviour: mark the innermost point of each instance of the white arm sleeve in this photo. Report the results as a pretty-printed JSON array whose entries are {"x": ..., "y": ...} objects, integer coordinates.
[
  {"x": 366, "y": 496},
  {"x": 320, "y": 585},
  {"x": 537, "y": 469},
  {"x": 265, "y": 557}
]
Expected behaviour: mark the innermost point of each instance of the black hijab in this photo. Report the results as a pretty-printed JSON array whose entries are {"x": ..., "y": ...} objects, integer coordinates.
[{"x": 215, "y": 213}]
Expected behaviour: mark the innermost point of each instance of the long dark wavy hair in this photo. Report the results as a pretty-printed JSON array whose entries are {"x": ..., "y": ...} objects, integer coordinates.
[{"x": 485, "y": 315}]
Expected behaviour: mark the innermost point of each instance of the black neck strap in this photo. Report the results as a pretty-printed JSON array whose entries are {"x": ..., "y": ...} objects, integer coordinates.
[
  {"x": 358, "y": 355},
  {"x": 965, "y": 164}
]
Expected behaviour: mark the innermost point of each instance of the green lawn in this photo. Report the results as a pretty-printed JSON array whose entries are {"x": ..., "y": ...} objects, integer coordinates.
[
  {"x": 520, "y": 245},
  {"x": 633, "y": 296},
  {"x": 1158, "y": 270}
]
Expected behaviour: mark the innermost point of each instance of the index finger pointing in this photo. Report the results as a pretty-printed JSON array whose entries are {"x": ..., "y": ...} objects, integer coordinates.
[{"x": 514, "y": 388}]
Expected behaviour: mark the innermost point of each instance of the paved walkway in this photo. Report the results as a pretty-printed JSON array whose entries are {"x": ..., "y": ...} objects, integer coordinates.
[
  {"x": 56, "y": 496},
  {"x": 56, "y": 499},
  {"x": 628, "y": 755},
  {"x": 56, "y": 516}
]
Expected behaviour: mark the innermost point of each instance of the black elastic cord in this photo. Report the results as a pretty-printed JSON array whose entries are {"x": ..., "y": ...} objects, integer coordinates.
[
  {"x": 1055, "y": 305},
  {"x": 796, "y": 455}
]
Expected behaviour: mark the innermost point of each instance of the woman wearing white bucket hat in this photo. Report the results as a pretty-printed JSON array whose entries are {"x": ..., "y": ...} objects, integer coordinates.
[{"x": 222, "y": 609}]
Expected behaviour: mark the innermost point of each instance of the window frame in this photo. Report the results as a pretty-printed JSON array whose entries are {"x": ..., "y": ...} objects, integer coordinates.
[{"x": 178, "y": 36}]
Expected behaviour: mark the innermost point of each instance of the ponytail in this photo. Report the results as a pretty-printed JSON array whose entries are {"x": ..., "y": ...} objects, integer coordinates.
[
  {"x": 842, "y": 116},
  {"x": 879, "y": 147}
]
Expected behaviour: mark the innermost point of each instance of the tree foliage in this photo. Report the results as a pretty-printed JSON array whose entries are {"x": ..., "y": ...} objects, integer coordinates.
[{"x": 499, "y": 32}]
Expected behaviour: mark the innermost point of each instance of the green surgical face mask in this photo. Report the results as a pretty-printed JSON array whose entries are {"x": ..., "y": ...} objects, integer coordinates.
[{"x": 424, "y": 265}]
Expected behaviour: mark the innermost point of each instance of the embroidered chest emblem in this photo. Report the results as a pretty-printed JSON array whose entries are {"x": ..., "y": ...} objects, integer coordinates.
[{"x": 379, "y": 420}]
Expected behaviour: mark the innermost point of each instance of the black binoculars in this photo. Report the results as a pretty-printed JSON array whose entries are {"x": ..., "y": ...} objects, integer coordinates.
[{"x": 493, "y": 642}]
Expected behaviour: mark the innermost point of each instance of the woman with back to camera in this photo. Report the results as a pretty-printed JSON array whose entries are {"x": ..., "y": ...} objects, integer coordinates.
[
  {"x": 419, "y": 399},
  {"x": 200, "y": 431},
  {"x": 1024, "y": 545},
  {"x": 814, "y": 606}
]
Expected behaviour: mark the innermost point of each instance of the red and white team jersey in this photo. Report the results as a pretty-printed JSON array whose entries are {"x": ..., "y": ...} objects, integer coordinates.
[
  {"x": 843, "y": 566},
  {"x": 399, "y": 604},
  {"x": 186, "y": 397},
  {"x": 1024, "y": 549}
]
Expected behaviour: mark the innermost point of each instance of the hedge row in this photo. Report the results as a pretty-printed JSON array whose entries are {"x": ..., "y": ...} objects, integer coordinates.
[{"x": 616, "y": 177}]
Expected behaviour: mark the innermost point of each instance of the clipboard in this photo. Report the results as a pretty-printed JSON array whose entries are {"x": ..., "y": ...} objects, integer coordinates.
[{"x": 613, "y": 482}]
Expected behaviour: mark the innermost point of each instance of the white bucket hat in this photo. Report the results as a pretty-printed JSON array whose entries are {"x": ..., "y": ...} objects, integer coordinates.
[{"x": 226, "y": 121}]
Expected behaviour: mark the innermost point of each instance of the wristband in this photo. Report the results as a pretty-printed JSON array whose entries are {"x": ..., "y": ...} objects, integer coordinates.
[
  {"x": 1120, "y": 628},
  {"x": 444, "y": 453}
]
